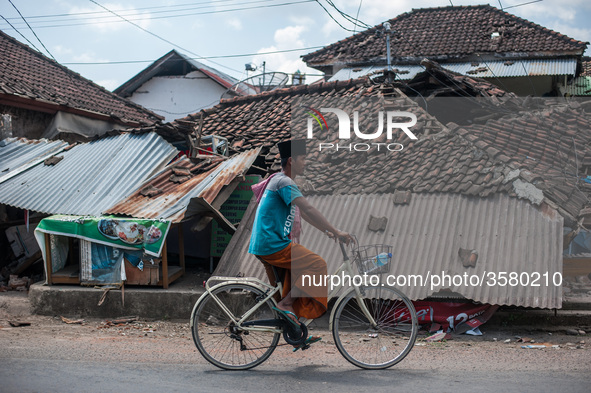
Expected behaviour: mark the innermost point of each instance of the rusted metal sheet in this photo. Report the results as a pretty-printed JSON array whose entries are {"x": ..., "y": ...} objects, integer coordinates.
[
  {"x": 161, "y": 197},
  {"x": 428, "y": 234}
]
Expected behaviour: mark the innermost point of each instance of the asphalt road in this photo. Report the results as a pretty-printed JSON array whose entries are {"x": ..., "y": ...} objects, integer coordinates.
[
  {"x": 59, "y": 375},
  {"x": 159, "y": 356}
]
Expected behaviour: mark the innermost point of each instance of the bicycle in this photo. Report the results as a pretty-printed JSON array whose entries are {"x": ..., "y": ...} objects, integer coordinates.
[{"x": 235, "y": 327}]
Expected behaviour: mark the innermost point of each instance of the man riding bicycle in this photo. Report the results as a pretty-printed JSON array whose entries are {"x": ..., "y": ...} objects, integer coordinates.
[{"x": 272, "y": 238}]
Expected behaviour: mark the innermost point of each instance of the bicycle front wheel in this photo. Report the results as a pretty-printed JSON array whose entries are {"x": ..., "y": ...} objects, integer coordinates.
[
  {"x": 220, "y": 340},
  {"x": 375, "y": 346}
]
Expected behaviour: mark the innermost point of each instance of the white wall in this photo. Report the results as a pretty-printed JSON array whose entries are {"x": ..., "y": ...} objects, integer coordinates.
[{"x": 177, "y": 96}]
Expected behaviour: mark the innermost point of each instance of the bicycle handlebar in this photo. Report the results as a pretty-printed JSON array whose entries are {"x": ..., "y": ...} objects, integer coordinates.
[{"x": 343, "y": 249}]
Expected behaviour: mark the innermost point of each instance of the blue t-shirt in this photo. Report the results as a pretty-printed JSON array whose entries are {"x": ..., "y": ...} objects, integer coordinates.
[{"x": 274, "y": 217}]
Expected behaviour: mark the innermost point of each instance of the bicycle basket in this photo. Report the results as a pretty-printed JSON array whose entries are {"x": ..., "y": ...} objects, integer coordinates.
[{"x": 373, "y": 259}]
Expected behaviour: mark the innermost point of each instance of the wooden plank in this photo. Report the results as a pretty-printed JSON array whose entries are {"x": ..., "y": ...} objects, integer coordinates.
[
  {"x": 48, "y": 262},
  {"x": 573, "y": 267},
  {"x": 66, "y": 280},
  {"x": 165, "y": 265},
  {"x": 181, "y": 247},
  {"x": 68, "y": 275},
  {"x": 174, "y": 272}
]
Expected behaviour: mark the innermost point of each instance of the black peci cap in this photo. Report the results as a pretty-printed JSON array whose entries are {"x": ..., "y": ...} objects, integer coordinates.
[{"x": 296, "y": 147}]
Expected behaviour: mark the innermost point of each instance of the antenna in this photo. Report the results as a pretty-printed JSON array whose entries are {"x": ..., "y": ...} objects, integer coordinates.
[{"x": 267, "y": 81}]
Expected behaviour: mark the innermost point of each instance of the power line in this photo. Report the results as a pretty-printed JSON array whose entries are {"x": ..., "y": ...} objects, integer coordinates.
[
  {"x": 519, "y": 5},
  {"x": 21, "y": 34},
  {"x": 157, "y": 36},
  {"x": 357, "y": 16},
  {"x": 130, "y": 10},
  {"x": 33, "y": 31},
  {"x": 332, "y": 17},
  {"x": 356, "y": 22},
  {"x": 180, "y": 15},
  {"x": 200, "y": 57}
]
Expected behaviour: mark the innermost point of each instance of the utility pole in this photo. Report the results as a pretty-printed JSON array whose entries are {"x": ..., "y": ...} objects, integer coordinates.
[{"x": 387, "y": 27}]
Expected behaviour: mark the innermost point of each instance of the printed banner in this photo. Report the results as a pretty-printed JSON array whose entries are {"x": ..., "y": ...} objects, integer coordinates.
[
  {"x": 125, "y": 233},
  {"x": 453, "y": 315}
]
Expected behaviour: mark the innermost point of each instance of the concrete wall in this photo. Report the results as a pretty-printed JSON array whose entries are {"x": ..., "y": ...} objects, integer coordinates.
[{"x": 177, "y": 96}]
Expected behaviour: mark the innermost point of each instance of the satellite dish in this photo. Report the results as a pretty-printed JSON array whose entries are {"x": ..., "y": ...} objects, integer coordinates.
[{"x": 257, "y": 84}]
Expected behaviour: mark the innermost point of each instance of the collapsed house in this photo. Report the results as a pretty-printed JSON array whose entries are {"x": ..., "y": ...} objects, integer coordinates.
[
  {"x": 112, "y": 199},
  {"x": 450, "y": 201}
]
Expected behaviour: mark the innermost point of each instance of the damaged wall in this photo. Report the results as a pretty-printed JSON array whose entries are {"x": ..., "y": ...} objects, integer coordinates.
[{"x": 24, "y": 123}]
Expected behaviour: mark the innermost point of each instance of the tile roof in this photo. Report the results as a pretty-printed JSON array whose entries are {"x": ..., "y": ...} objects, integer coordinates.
[
  {"x": 31, "y": 80},
  {"x": 449, "y": 33},
  {"x": 465, "y": 162},
  {"x": 548, "y": 148},
  {"x": 263, "y": 120}
]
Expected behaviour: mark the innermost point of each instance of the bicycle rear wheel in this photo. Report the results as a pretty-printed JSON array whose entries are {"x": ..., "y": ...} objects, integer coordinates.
[
  {"x": 220, "y": 340},
  {"x": 380, "y": 346}
]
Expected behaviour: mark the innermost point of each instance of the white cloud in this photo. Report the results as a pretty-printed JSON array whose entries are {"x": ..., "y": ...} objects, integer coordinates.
[
  {"x": 235, "y": 23},
  {"x": 61, "y": 50},
  {"x": 579, "y": 34},
  {"x": 289, "y": 62},
  {"x": 106, "y": 21}
]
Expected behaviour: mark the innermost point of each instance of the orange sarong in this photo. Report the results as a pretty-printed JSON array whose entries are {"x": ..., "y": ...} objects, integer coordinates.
[{"x": 297, "y": 261}]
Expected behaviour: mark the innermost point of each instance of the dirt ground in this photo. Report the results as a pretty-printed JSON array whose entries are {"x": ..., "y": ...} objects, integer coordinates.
[{"x": 171, "y": 342}]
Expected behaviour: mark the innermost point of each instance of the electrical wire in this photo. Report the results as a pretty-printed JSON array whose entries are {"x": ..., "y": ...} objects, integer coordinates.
[
  {"x": 75, "y": 14},
  {"x": 21, "y": 34},
  {"x": 33, "y": 31},
  {"x": 197, "y": 58},
  {"x": 159, "y": 37},
  {"x": 332, "y": 17},
  {"x": 357, "y": 16},
  {"x": 130, "y": 19},
  {"x": 356, "y": 22}
]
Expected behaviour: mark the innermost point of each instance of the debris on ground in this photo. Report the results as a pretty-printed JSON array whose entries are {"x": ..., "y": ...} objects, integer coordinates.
[
  {"x": 71, "y": 321},
  {"x": 18, "y": 284},
  {"x": 19, "y": 323},
  {"x": 439, "y": 336}
]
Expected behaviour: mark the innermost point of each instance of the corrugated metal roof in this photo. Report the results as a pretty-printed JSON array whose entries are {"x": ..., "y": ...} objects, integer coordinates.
[
  {"x": 91, "y": 177},
  {"x": 177, "y": 200},
  {"x": 19, "y": 154},
  {"x": 509, "y": 68},
  {"x": 489, "y": 69},
  {"x": 509, "y": 235},
  {"x": 580, "y": 86}
]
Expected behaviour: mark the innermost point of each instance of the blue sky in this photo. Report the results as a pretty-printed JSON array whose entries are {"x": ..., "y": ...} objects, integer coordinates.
[{"x": 83, "y": 32}]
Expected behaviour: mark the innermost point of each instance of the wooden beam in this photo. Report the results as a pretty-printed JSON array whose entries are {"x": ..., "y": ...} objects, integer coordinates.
[
  {"x": 48, "y": 264},
  {"x": 165, "y": 265},
  {"x": 181, "y": 247}
]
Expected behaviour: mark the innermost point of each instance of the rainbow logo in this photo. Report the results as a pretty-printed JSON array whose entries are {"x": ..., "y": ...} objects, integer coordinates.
[{"x": 317, "y": 116}]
